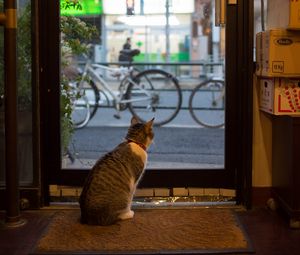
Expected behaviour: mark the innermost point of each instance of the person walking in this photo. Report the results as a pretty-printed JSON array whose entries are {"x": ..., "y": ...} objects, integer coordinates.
[
  {"x": 124, "y": 53},
  {"x": 127, "y": 44}
]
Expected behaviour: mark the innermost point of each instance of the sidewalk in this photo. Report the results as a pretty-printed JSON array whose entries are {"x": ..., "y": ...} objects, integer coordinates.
[{"x": 88, "y": 163}]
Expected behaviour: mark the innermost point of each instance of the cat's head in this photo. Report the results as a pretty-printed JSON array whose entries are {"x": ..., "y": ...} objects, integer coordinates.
[{"x": 141, "y": 132}]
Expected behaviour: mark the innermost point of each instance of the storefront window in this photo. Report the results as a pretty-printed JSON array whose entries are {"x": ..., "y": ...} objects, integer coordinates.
[{"x": 148, "y": 34}]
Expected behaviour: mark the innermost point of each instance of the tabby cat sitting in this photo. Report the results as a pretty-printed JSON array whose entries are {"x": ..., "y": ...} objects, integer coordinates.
[{"x": 109, "y": 188}]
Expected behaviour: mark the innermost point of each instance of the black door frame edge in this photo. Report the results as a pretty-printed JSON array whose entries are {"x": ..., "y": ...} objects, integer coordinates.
[
  {"x": 245, "y": 86},
  {"x": 49, "y": 38}
]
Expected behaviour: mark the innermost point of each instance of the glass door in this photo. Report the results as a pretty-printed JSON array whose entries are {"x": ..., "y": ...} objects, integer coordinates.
[
  {"x": 196, "y": 148},
  {"x": 196, "y": 59}
]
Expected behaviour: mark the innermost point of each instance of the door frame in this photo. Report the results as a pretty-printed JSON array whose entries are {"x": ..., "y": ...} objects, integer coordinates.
[{"x": 239, "y": 81}]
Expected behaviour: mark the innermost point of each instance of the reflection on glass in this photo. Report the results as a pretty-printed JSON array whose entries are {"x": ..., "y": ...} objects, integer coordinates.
[
  {"x": 24, "y": 83},
  {"x": 189, "y": 47}
]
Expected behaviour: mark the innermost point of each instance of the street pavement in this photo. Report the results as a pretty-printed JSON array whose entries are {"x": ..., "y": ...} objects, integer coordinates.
[
  {"x": 175, "y": 147},
  {"x": 182, "y": 143}
]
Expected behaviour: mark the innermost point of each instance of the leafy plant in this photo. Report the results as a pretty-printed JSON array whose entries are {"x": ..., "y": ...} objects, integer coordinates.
[{"x": 75, "y": 36}]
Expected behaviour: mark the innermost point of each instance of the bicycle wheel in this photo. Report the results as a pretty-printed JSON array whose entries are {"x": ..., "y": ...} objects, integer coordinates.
[
  {"x": 103, "y": 101},
  {"x": 92, "y": 93},
  {"x": 81, "y": 111},
  {"x": 206, "y": 104},
  {"x": 154, "y": 93}
]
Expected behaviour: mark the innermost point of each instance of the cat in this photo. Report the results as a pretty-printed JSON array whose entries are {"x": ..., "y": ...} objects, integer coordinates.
[{"x": 109, "y": 188}]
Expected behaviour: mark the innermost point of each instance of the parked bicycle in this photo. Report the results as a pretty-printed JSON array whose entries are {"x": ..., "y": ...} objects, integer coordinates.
[
  {"x": 147, "y": 94},
  {"x": 207, "y": 103}
]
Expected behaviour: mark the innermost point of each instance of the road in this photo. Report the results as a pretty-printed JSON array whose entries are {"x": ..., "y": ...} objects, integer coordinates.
[
  {"x": 174, "y": 147},
  {"x": 180, "y": 143}
]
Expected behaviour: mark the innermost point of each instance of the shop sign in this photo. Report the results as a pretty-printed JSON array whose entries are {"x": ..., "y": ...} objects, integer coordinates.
[{"x": 81, "y": 7}]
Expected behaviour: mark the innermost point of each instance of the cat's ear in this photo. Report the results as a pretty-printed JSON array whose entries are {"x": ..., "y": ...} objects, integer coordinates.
[
  {"x": 149, "y": 124},
  {"x": 134, "y": 120}
]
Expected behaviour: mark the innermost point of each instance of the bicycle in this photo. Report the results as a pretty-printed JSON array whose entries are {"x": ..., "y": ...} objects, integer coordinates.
[
  {"x": 207, "y": 103},
  {"x": 147, "y": 94}
]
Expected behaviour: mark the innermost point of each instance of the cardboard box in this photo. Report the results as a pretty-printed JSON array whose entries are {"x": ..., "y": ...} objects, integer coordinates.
[
  {"x": 294, "y": 15},
  {"x": 280, "y": 96},
  {"x": 283, "y": 14},
  {"x": 279, "y": 53}
]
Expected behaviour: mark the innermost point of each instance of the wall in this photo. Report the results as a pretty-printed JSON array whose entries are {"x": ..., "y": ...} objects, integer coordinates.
[{"x": 262, "y": 144}]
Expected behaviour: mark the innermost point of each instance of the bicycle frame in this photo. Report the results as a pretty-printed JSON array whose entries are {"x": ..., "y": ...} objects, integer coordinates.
[
  {"x": 141, "y": 92},
  {"x": 91, "y": 71}
]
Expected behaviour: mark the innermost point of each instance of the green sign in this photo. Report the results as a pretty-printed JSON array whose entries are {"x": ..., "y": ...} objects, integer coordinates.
[
  {"x": 139, "y": 44},
  {"x": 81, "y": 7}
]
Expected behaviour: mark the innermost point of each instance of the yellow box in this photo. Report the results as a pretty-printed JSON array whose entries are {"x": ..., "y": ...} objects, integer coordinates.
[
  {"x": 279, "y": 52},
  {"x": 283, "y": 14},
  {"x": 280, "y": 96},
  {"x": 294, "y": 17}
]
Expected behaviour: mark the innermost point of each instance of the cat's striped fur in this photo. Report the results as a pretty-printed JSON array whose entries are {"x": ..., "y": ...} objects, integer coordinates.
[{"x": 110, "y": 186}]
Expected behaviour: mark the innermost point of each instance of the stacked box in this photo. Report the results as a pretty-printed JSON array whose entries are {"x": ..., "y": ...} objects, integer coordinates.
[
  {"x": 294, "y": 14},
  {"x": 286, "y": 16},
  {"x": 278, "y": 59},
  {"x": 280, "y": 96},
  {"x": 278, "y": 53}
]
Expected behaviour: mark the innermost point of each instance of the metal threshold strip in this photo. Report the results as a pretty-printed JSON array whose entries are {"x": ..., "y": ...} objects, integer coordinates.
[
  {"x": 190, "y": 201},
  {"x": 148, "y": 205},
  {"x": 64, "y": 196}
]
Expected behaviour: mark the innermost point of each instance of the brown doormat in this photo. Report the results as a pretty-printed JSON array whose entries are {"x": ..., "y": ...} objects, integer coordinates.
[{"x": 151, "y": 231}]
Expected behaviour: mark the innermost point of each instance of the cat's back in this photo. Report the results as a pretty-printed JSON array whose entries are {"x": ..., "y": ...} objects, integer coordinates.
[
  {"x": 115, "y": 169},
  {"x": 125, "y": 157}
]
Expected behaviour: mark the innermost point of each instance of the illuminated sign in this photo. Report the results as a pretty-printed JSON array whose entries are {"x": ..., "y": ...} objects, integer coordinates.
[
  {"x": 80, "y": 7},
  {"x": 119, "y": 7}
]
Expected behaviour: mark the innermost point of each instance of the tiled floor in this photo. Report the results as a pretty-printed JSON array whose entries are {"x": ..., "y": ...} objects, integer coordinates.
[{"x": 269, "y": 232}]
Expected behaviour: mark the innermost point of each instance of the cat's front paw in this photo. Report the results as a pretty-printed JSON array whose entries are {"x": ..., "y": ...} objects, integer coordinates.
[{"x": 127, "y": 215}]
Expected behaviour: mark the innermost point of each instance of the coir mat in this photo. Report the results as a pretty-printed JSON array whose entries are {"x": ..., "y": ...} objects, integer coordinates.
[{"x": 151, "y": 231}]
